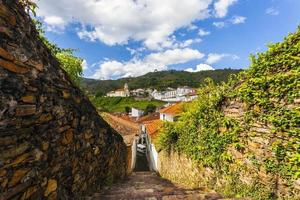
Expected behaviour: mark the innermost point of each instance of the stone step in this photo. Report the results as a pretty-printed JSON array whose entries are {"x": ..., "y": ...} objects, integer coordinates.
[
  {"x": 156, "y": 196},
  {"x": 149, "y": 186}
]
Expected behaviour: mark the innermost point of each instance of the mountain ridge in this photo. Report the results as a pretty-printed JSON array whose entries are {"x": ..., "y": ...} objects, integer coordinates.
[{"x": 157, "y": 80}]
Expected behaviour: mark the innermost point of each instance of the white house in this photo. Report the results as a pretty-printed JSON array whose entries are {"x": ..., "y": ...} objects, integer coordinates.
[
  {"x": 169, "y": 113},
  {"x": 136, "y": 112}
]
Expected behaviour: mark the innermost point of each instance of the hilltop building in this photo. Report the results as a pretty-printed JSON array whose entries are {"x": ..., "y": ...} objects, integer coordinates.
[
  {"x": 125, "y": 92},
  {"x": 175, "y": 95}
]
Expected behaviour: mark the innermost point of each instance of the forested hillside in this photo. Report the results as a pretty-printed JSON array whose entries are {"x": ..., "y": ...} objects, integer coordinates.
[
  {"x": 246, "y": 133},
  {"x": 159, "y": 80}
]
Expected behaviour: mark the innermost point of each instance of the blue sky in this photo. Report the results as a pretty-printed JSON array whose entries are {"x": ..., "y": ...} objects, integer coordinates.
[{"x": 121, "y": 38}]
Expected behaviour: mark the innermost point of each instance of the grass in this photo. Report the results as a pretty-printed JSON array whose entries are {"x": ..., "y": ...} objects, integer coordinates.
[{"x": 118, "y": 104}]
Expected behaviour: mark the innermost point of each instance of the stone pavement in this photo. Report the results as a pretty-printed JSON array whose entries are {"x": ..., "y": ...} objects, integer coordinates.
[{"x": 149, "y": 186}]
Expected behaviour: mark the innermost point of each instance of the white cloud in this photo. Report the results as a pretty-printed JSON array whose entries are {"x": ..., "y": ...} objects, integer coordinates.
[
  {"x": 55, "y": 21},
  {"x": 118, "y": 21},
  {"x": 111, "y": 69},
  {"x": 84, "y": 65},
  {"x": 235, "y": 20},
  {"x": 200, "y": 67},
  {"x": 238, "y": 20},
  {"x": 192, "y": 27},
  {"x": 202, "y": 32},
  {"x": 114, "y": 69},
  {"x": 221, "y": 7},
  {"x": 219, "y": 24},
  {"x": 175, "y": 56},
  {"x": 272, "y": 11},
  {"x": 214, "y": 57}
]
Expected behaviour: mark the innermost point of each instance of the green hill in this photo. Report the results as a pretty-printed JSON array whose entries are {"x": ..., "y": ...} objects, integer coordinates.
[{"x": 158, "y": 80}]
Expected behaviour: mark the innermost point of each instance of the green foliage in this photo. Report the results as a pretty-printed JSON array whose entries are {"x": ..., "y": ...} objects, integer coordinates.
[
  {"x": 150, "y": 109},
  {"x": 120, "y": 104},
  {"x": 72, "y": 65},
  {"x": 29, "y": 6},
  {"x": 268, "y": 90},
  {"x": 69, "y": 62},
  {"x": 127, "y": 109},
  {"x": 198, "y": 132}
]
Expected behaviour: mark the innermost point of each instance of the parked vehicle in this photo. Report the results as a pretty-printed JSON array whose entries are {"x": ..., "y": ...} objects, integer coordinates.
[{"x": 141, "y": 148}]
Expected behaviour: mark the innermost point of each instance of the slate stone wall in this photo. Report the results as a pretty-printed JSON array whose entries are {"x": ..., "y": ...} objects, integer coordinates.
[
  {"x": 257, "y": 145},
  {"x": 53, "y": 143}
]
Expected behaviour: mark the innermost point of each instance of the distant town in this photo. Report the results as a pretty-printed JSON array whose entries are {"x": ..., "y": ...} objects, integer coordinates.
[{"x": 179, "y": 94}]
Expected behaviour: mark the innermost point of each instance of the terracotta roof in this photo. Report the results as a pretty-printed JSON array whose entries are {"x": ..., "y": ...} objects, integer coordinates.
[
  {"x": 173, "y": 109},
  {"x": 153, "y": 128}
]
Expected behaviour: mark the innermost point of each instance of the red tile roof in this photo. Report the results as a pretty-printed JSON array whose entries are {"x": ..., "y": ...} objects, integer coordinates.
[
  {"x": 173, "y": 109},
  {"x": 153, "y": 128}
]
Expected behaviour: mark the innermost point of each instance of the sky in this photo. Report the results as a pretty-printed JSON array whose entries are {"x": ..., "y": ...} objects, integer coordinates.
[{"x": 128, "y": 38}]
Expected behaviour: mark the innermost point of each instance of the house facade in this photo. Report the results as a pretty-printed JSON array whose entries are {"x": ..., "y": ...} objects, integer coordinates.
[{"x": 136, "y": 112}]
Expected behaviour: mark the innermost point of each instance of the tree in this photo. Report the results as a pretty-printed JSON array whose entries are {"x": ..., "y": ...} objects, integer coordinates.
[
  {"x": 150, "y": 108},
  {"x": 127, "y": 109},
  {"x": 69, "y": 62}
]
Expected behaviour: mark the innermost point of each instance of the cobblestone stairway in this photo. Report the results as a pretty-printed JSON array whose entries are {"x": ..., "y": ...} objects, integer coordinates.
[{"x": 149, "y": 186}]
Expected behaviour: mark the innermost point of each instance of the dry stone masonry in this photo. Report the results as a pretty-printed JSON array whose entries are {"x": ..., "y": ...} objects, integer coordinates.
[
  {"x": 53, "y": 144},
  {"x": 182, "y": 170}
]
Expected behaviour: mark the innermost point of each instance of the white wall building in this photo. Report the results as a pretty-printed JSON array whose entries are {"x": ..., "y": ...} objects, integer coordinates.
[{"x": 136, "y": 112}]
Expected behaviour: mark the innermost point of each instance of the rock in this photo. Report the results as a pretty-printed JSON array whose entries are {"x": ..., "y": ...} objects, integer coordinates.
[
  {"x": 28, "y": 193},
  {"x": 37, "y": 154},
  {"x": 28, "y": 99},
  {"x": 38, "y": 65},
  {"x": 25, "y": 110},
  {"x": 14, "y": 151},
  {"x": 68, "y": 137},
  {"x": 6, "y": 55},
  {"x": 18, "y": 175},
  {"x": 45, "y": 145},
  {"x": 51, "y": 187},
  {"x": 13, "y": 67},
  {"x": 66, "y": 94},
  {"x": 45, "y": 118}
]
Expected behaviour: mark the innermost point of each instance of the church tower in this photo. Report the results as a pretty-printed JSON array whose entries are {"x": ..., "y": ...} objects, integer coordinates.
[{"x": 126, "y": 90}]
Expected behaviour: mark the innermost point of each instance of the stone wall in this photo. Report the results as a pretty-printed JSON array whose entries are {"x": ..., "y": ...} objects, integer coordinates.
[
  {"x": 53, "y": 144},
  {"x": 243, "y": 173}
]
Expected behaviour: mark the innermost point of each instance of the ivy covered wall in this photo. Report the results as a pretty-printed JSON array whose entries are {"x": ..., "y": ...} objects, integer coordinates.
[{"x": 246, "y": 132}]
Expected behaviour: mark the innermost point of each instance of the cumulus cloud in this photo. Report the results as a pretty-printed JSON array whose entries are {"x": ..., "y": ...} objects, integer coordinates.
[
  {"x": 175, "y": 56},
  {"x": 272, "y": 11},
  {"x": 111, "y": 69},
  {"x": 202, "y": 32},
  {"x": 118, "y": 21},
  {"x": 214, "y": 57},
  {"x": 238, "y": 20},
  {"x": 221, "y": 7},
  {"x": 200, "y": 67}
]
